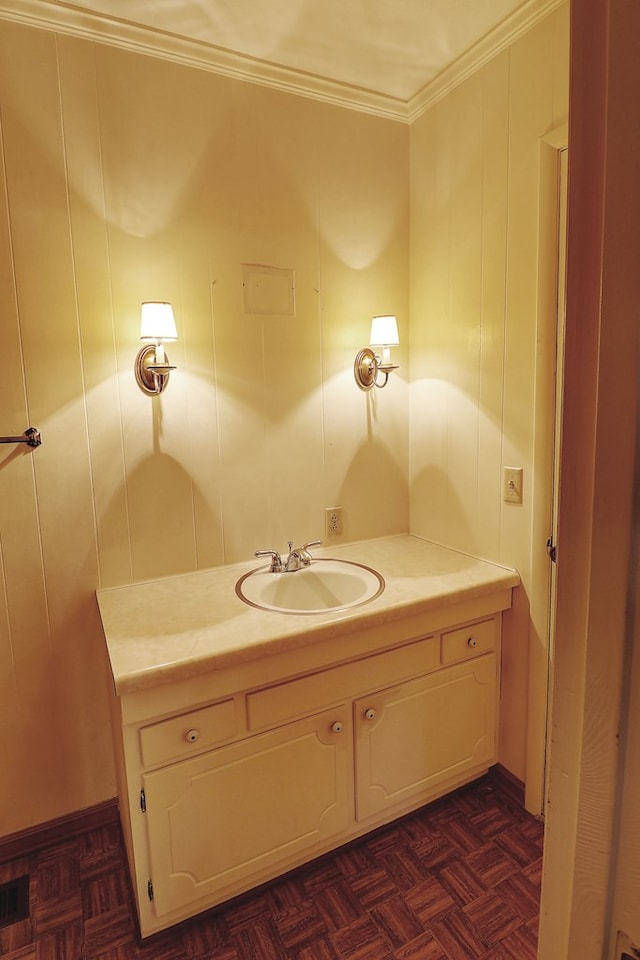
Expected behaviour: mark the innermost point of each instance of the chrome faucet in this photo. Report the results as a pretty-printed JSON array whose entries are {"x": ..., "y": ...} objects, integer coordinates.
[{"x": 298, "y": 557}]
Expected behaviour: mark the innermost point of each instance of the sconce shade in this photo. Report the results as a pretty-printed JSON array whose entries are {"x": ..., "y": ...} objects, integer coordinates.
[
  {"x": 157, "y": 321},
  {"x": 384, "y": 332}
]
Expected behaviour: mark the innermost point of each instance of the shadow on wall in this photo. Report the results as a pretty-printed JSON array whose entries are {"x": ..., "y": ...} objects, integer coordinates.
[
  {"x": 374, "y": 483},
  {"x": 81, "y": 665},
  {"x": 168, "y": 517},
  {"x": 12, "y": 453},
  {"x": 434, "y": 499}
]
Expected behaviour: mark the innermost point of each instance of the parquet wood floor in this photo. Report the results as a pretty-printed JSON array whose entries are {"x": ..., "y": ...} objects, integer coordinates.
[{"x": 459, "y": 879}]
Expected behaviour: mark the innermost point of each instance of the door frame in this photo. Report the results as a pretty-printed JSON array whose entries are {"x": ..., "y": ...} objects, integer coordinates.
[
  {"x": 545, "y": 450},
  {"x": 598, "y": 483}
]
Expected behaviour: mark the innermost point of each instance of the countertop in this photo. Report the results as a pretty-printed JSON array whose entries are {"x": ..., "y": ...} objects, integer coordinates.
[{"x": 183, "y": 625}]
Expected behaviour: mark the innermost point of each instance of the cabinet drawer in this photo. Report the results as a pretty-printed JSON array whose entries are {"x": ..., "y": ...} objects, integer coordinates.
[
  {"x": 189, "y": 733},
  {"x": 310, "y": 694},
  {"x": 469, "y": 641}
]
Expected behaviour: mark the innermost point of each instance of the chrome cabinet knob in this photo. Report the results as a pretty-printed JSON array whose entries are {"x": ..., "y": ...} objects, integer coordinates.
[
  {"x": 336, "y": 727},
  {"x": 370, "y": 714},
  {"x": 192, "y": 735}
]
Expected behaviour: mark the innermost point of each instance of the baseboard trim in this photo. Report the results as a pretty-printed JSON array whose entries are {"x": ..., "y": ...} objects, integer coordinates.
[
  {"x": 508, "y": 783},
  {"x": 25, "y": 842},
  {"x": 28, "y": 841}
]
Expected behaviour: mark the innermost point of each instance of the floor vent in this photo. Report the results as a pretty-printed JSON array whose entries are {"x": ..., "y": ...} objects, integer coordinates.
[{"x": 14, "y": 901}]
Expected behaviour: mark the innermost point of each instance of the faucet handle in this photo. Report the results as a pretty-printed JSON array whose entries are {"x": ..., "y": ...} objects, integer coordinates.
[
  {"x": 304, "y": 550},
  {"x": 276, "y": 559}
]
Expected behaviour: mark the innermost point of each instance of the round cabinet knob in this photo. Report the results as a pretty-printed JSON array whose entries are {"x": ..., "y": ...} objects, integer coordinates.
[
  {"x": 370, "y": 714},
  {"x": 192, "y": 735},
  {"x": 336, "y": 727},
  {"x": 472, "y": 642}
]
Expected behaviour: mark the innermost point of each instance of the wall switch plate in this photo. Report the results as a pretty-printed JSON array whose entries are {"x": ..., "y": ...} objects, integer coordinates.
[
  {"x": 333, "y": 521},
  {"x": 512, "y": 482}
]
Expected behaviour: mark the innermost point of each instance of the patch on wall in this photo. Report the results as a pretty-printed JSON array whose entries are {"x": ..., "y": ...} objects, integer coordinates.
[
  {"x": 268, "y": 291},
  {"x": 14, "y": 901}
]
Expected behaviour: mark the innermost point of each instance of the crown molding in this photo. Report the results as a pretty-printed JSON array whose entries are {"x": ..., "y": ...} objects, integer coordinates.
[
  {"x": 86, "y": 25},
  {"x": 502, "y": 36},
  {"x": 60, "y": 18}
]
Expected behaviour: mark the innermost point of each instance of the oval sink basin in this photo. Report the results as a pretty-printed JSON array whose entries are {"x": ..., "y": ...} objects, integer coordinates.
[{"x": 322, "y": 587}]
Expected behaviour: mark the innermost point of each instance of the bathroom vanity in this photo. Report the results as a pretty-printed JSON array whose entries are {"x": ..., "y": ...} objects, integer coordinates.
[{"x": 250, "y": 741}]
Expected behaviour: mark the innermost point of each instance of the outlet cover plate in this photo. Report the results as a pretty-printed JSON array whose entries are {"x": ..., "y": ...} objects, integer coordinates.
[{"x": 333, "y": 521}]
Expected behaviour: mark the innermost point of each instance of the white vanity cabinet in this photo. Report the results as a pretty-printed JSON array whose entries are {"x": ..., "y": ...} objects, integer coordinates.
[{"x": 284, "y": 763}]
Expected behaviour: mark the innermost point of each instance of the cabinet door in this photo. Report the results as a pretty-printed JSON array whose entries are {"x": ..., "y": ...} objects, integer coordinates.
[
  {"x": 230, "y": 814},
  {"x": 413, "y": 736}
]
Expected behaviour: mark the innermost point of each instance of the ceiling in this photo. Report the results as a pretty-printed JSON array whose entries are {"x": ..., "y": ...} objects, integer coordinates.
[{"x": 369, "y": 52}]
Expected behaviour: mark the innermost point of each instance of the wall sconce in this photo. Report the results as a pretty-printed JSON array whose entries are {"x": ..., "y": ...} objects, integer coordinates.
[
  {"x": 152, "y": 365},
  {"x": 368, "y": 365}
]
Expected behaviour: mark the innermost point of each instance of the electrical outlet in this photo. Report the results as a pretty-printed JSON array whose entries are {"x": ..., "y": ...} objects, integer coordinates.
[
  {"x": 512, "y": 477},
  {"x": 333, "y": 521}
]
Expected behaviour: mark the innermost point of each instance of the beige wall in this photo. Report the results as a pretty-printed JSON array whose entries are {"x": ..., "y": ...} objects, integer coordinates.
[
  {"x": 474, "y": 320},
  {"x": 127, "y": 178}
]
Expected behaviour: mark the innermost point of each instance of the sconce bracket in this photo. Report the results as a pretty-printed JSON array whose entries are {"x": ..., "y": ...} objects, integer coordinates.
[
  {"x": 151, "y": 377},
  {"x": 365, "y": 367}
]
